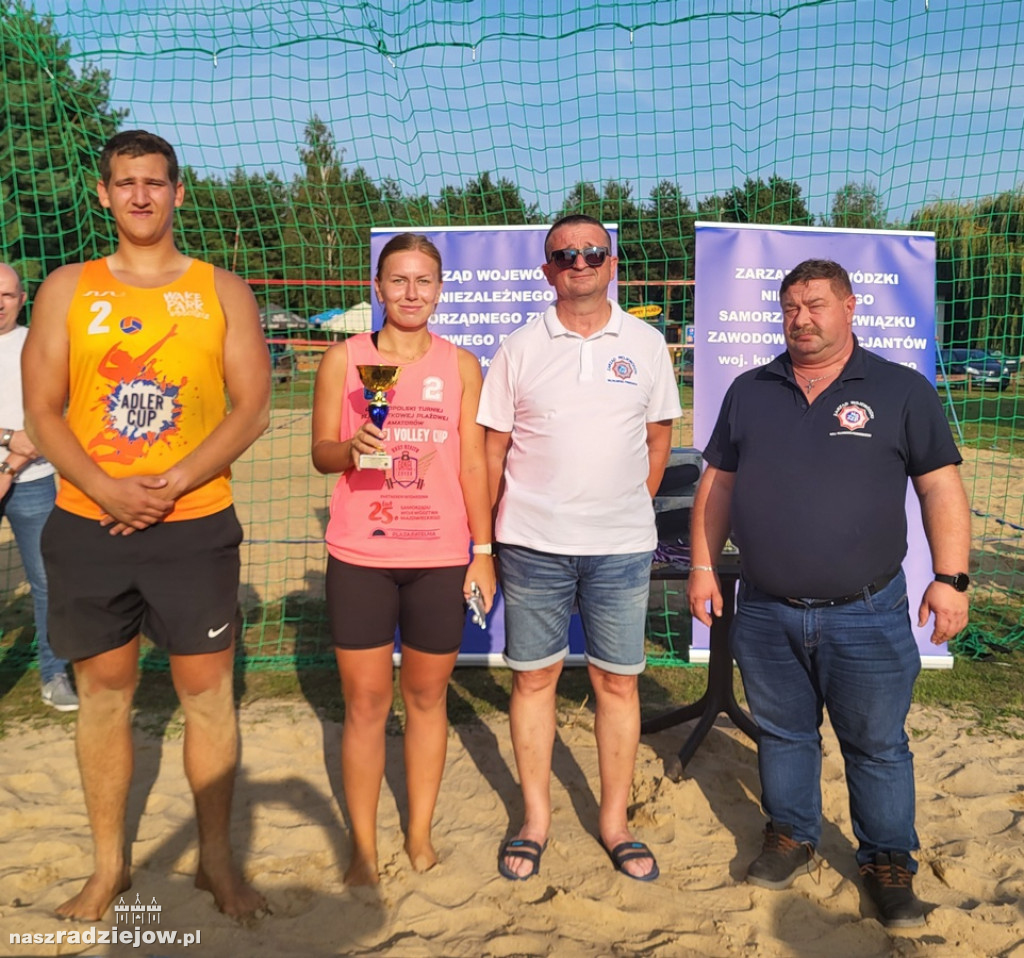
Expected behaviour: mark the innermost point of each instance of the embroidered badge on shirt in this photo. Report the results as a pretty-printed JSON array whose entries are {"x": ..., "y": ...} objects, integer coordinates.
[
  {"x": 622, "y": 369},
  {"x": 853, "y": 416}
]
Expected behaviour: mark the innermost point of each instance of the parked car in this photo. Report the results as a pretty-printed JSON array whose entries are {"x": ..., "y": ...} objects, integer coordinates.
[
  {"x": 1011, "y": 363},
  {"x": 974, "y": 367}
]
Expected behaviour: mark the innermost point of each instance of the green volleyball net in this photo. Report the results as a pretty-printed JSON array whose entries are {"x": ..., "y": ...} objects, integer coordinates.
[{"x": 303, "y": 124}]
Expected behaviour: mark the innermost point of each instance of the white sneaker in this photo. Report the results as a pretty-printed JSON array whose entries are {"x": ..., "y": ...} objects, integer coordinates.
[{"x": 58, "y": 693}]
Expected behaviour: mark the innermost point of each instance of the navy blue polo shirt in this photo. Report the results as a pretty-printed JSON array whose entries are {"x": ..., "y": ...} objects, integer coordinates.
[{"x": 819, "y": 502}]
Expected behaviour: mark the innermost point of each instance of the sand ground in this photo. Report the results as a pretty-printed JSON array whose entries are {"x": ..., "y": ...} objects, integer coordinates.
[{"x": 290, "y": 826}]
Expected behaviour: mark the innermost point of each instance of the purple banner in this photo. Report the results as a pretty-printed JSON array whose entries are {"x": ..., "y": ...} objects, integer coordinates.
[{"x": 738, "y": 325}]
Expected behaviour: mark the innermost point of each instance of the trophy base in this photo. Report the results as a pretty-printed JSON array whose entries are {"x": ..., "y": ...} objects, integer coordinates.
[{"x": 375, "y": 460}]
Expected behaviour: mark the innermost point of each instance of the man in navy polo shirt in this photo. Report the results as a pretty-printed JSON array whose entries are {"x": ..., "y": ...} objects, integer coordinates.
[{"x": 807, "y": 469}]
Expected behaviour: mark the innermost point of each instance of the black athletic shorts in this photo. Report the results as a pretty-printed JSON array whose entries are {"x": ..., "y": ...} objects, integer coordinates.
[
  {"x": 175, "y": 582},
  {"x": 365, "y": 605}
]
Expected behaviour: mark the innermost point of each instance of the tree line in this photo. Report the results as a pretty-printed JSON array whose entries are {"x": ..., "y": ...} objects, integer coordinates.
[{"x": 315, "y": 227}]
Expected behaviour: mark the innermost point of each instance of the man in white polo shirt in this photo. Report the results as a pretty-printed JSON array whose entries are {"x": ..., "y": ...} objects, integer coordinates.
[{"x": 578, "y": 408}]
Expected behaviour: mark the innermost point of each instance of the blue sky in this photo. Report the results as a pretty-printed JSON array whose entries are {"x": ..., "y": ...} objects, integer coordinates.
[{"x": 916, "y": 96}]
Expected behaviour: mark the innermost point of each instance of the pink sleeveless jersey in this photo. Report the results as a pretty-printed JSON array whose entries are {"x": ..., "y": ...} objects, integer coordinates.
[{"x": 413, "y": 515}]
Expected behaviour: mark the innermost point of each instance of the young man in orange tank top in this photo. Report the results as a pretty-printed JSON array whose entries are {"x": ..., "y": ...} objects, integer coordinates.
[{"x": 145, "y": 511}]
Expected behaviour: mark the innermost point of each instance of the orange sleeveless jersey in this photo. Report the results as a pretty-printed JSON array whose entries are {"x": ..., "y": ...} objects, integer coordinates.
[{"x": 146, "y": 380}]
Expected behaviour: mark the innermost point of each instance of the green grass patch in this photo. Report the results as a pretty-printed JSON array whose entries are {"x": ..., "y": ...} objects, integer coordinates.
[
  {"x": 987, "y": 419},
  {"x": 295, "y": 393},
  {"x": 989, "y": 693},
  {"x": 285, "y": 654}
]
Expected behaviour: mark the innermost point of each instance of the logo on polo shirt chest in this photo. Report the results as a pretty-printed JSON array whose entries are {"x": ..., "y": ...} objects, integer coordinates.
[
  {"x": 621, "y": 369},
  {"x": 853, "y": 416}
]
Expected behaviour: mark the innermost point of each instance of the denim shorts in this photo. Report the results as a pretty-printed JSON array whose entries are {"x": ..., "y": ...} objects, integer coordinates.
[{"x": 540, "y": 591}]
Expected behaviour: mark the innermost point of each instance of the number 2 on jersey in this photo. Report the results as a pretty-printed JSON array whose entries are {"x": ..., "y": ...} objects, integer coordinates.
[{"x": 102, "y": 309}]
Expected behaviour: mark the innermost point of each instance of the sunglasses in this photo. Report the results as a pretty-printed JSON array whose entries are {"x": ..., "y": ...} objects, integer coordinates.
[{"x": 566, "y": 258}]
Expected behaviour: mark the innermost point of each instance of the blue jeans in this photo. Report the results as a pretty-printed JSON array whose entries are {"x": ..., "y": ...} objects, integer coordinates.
[
  {"x": 540, "y": 589},
  {"x": 860, "y": 660},
  {"x": 27, "y": 506}
]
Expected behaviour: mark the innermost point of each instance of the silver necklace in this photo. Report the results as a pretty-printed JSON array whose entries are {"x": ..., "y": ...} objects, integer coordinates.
[{"x": 812, "y": 382}]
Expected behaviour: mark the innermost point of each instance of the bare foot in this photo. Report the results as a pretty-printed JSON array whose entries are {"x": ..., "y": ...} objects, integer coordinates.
[
  {"x": 362, "y": 871},
  {"x": 520, "y": 865},
  {"x": 92, "y": 902},
  {"x": 421, "y": 854},
  {"x": 232, "y": 893}
]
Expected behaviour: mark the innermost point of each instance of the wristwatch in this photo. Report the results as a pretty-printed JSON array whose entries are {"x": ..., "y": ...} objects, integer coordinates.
[
  {"x": 5, "y": 439},
  {"x": 960, "y": 581},
  {"x": 6, "y": 469}
]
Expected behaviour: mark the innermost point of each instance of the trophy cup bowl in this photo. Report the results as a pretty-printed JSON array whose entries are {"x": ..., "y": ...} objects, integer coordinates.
[{"x": 377, "y": 380}]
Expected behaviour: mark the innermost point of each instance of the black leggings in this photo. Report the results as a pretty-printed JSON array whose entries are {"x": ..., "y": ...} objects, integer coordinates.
[{"x": 365, "y": 605}]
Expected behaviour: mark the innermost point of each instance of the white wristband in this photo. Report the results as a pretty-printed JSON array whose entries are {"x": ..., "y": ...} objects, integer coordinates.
[
  {"x": 483, "y": 548},
  {"x": 702, "y": 568}
]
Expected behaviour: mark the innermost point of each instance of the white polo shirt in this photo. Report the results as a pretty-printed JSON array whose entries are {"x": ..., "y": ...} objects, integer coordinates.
[{"x": 578, "y": 409}]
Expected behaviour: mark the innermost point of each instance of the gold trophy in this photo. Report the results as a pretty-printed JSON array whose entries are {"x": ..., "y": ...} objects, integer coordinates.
[{"x": 377, "y": 380}]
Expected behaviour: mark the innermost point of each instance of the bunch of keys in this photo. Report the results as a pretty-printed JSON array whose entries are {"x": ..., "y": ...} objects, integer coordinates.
[{"x": 476, "y": 605}]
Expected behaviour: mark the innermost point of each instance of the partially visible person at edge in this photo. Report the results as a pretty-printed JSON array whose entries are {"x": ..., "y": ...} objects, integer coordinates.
[
  {"x": 27, "y": 487},
  {"x": 808, "y": 466},
  {"x": 399, "y": 541},
  {"x": 140, "y": 346},
  {"x": 579, "y": 407}
]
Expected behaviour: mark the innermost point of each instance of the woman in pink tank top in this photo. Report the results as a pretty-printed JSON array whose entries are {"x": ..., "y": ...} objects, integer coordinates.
[{"x": 398, "y": 539}]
